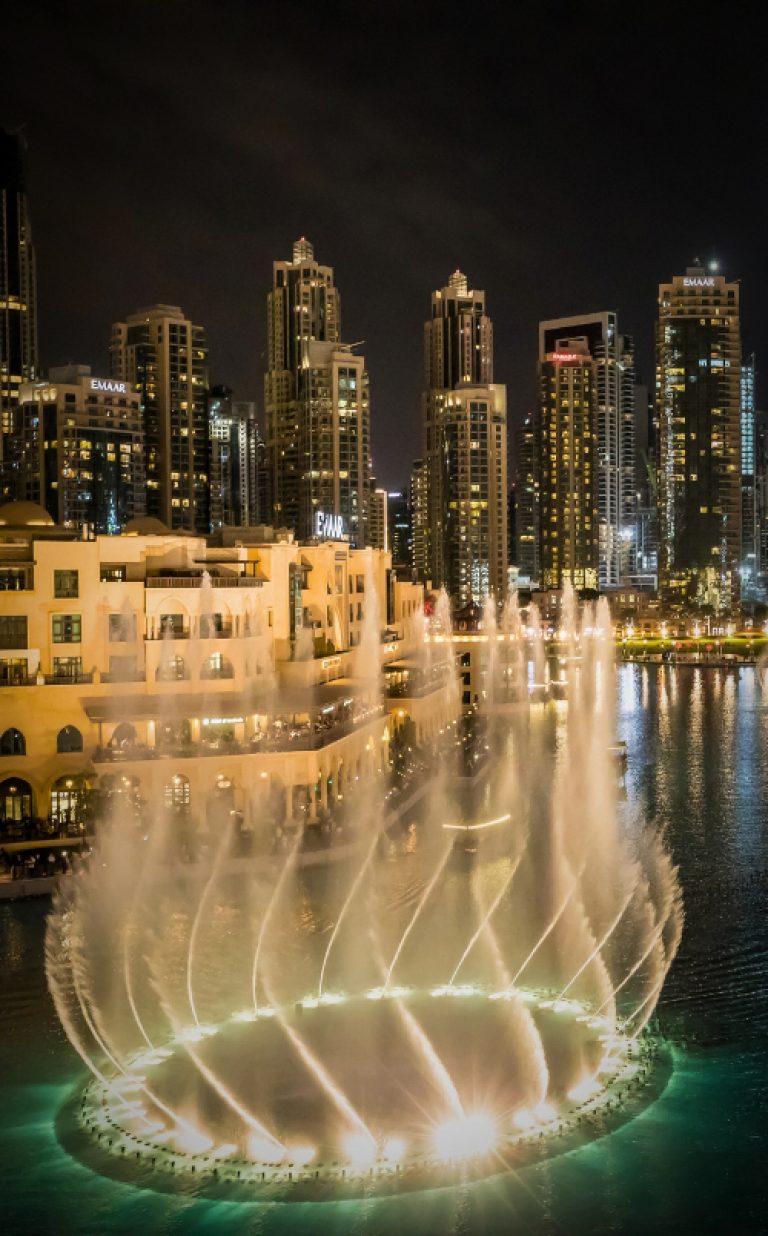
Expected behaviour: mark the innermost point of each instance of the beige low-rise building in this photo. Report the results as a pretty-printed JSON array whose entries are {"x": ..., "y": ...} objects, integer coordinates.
[{"x": 262, "y": 677}]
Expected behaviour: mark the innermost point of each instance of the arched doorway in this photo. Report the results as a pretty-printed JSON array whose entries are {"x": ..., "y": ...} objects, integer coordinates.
[
  {"x": 123, "y": 737},
  {"x": 15, "y": 801},
  {"x": 70, "y": 802},
  {"x": 177, "y": 796}
]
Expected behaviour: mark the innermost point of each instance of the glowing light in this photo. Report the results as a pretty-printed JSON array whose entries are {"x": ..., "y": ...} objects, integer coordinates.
[
  {"x": 300, "y": 1154},
  {"x": 583, "y": 1090},
  {"x": 466, "y": 1138},
  {"x": 473, "y": 828},
  {"x": 524, "y": 1119},
  {"x": 457, "y": 989},
  {"x": 393, "y": 1150},
  {"x": 332, "y": 997},
  {"x": 245, "y": 1015},
  {"x": 544, "y": 1111},
  {"x": 359, "y": 1149},
  {"x": 192, "y": 1140},
  {"x": 224, "y": 1150},
  {"x": 262, "y": 1150}
]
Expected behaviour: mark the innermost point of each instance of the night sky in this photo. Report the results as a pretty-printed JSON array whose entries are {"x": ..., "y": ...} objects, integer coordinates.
[{"x": 566, "y": 157}]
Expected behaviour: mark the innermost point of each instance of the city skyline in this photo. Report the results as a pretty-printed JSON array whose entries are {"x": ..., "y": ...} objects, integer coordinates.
[{"x": 619, "y": 240}]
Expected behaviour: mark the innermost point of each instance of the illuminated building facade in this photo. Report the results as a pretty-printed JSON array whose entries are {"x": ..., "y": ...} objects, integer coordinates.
[
  {"x": 699, "y": 406},
  {"x": 18, "y": 292},
  {"x": 316, "y": 399},
  {"x": 154, "y": 668},
  {"x": 749, "y": 567},
  {"x": 399, "y": 521},
  {"x": 378, "y": 536},
  {"x": 164, "y": 356},
  {"x": 418, "y": 507},
  {"x": 614, "y": 458},
  {"x": 525, "y": 551},
  {"x": 567, "y": 454},
  {"x": 466, "y": 529},
  {"x": 238, "y": 466},
  {"x": 78, "y": 449}
]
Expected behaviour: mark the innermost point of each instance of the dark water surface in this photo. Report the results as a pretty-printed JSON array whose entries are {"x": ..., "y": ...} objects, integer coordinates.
[{"x": 696, "y": 1161}]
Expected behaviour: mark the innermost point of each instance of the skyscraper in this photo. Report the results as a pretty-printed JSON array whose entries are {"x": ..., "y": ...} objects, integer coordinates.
[
  {"x": 566, "y": 449},
  {"x": 399, "y": 521},
  {"x": 525, "y": 553},
  {"x": 698, "y": 397},
  {"x": 614, "y": 460},
  {"x": 78, "y": 449},
  {"x": 165, "y": 356},
  {"x": 238, "y": 467},
  {"x": 316, "y": 398},
  {"x": 750, "y": 531},
  {"x": 464, "y": 414},
  {"x": 18, "y": 291},
  {"x": 418, "y": 508}
]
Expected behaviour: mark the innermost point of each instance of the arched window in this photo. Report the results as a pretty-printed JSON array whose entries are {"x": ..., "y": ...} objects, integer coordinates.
[
  {"x": 69, "y": 739},
  {"x": 12, "y": 742},
  {"x": 176, "y": 794},
  {"x": 171, "y": 669},
  {"x": 217, "y": 666},
  {"x": 124, "y": 735}
]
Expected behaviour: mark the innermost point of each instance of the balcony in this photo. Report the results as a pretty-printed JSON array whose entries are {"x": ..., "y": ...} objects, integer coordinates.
[
  {"x": 281, "y": 737},
  {"x": 195, "y": 581},
  {"x": 67, "y": 680},
  {"x": 130, "y": 676}
]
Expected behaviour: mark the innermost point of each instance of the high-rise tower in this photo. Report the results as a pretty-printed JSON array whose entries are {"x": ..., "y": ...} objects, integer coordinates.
[
  {"x": 566, "y": 448},
  {"x": 18, "y": 293},
  {"x": 163, "y": 355},
  {"x": 614, "y": 427},
  {"x": 464, "y": 414},
  {"x": 698, "y": 399},
  {"x": 316, "y": 401}
]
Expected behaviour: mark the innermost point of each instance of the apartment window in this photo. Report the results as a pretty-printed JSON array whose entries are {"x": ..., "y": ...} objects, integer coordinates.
[
  {"x": 68, "y": 667},
  {"x": 65, "y": 583},
  {"x": 113, "y": 574},
  {"x": 66, "y": 628},
  {"x": 13, "y": 631},
  {"x": 13, "y": 672}
]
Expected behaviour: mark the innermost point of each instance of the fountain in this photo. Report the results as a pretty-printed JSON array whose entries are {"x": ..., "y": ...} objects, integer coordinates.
[{"x": 409, "y": 1015}]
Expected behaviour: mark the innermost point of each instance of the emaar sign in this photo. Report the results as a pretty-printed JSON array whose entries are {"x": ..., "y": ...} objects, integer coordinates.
[
  {"x": 106, "y": 384},
  {"x": 698, "y": 281},
  {"x": 330, "y": 527}
]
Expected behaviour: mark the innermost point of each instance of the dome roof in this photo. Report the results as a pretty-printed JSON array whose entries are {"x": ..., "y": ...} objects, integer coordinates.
[
  {"x": 24, "y": 515},
  {"x": 145, "y": 525}
]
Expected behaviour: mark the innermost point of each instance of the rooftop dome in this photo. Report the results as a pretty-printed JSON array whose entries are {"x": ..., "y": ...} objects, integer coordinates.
[
  {"x": 145, "y": 525},
  {"x": 24, "y": 515}
]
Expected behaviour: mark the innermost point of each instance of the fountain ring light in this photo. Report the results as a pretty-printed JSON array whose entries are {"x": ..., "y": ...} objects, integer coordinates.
[{"x": 114, "y": 1113}]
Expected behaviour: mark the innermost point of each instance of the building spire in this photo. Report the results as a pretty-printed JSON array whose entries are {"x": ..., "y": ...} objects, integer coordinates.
[
  {"x": 458, "y": 283},
  {"x": 303, "y": 251}
]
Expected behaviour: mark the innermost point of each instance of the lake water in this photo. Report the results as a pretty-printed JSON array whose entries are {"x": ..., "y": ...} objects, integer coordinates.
[{"x": 694, "y": 1162}]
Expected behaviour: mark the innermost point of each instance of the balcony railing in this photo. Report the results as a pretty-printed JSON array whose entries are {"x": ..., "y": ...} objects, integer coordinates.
[
  {"x": 67, "y": 680},
  {"x": 300, "y": 738},
  {"x": 194, "y": 581}
]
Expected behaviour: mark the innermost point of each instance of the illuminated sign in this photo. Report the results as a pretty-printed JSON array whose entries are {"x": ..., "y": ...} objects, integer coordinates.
[
  {"x": 105, "y": 384},
  {"x": 558, "y": 357},
  {"x": 330, "y": 527},
  {"x": 699, "y": 281}
]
